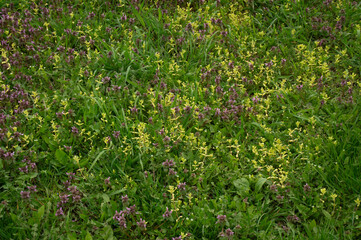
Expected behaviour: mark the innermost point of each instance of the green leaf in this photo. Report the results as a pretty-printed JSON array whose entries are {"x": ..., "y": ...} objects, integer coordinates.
[
  {"x": 71, "y": 236},
  {"x": 41, "y": 211},
  {"x": 242, "y": 185},
  {"x": 327, "y": 215},
  {"x": 260, "y": 183},
  {"x": 88, "y": 236},
  {"x": 108, "y": 233},
  {"x": 61, "y": 156}
]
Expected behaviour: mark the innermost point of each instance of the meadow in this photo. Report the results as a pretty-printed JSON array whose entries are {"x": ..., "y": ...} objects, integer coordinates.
[{"x": 175, "y": 119}]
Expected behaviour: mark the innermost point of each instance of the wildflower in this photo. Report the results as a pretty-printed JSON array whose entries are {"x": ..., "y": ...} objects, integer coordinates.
[
  {"x": 70, "y": 175},
  {"x": 125, "y": 199},
  {"x": 168, "y": 163},
  {"x": 59, "y": 212},
  {"x": 25, "y": 194},
  {"x": 221, "y": 219},
  {"x": 107, "y": 181},
  {"x": 106, "y": 80},
  {"x": 74, "y": 130},
  {"x": 273, "y": 188},
  {"x": 131, "y": 210},
  {"x": 293, "y": 218},
  {"x": 182, "y": 186},
  {"x": 306, "y": 188},
  {"x": 32, "y": 188},
  {"x": 72, "y": 189},
  {"x": 116, "y": 134},
  {"x": 280, "y": 197},
  {"x": 167, "y": 213},
  {"x": 68, "y": 148},
  {"x": 172, "y": 172},
  {"x": 357, "y": 201},
  {"x": 142, "y": 224},
  {"x": 64, "y": 198},
  {"x": 333, "y": 196},
  {"x": 76, "y": 198},
  {"x": 229, "y": 232}
]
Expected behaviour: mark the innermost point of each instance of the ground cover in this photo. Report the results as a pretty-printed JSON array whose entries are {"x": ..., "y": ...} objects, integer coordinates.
[{"x": 180, "y": 119}]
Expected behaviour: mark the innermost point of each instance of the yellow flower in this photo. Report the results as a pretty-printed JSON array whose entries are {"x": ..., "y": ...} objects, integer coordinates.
[
  {"x": 357, "y": 201},
  {"x": 323, "y": 191},
  {"x": 333, "y": 196}
]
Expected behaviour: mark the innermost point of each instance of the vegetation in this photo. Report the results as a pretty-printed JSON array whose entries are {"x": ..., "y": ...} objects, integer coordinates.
[{"x": 172, "y": 119}]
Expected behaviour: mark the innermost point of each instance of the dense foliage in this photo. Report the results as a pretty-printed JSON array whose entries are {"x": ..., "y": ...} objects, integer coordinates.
[{"x": 203, "y": 119}]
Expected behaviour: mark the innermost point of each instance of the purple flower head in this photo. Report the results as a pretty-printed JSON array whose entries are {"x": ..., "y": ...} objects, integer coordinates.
[
  {"x": 32, "y": 188},
  {"x": 182, "y": 186},
  {"x": 116, "y": 134},
  {"x": 64, "y": 198},
  {"x": 168, "y": 163},
  {"x": 221, "y": 219},
  {"x": 74, "y": 130},
  {"x": 106, "y": 80},
  {"x": 131, "y": 210},
  {"x": 306, "y": 188},
  {"x": 167, "y": 213},
  {"x": 293, "y": 218},
  {"x": 229, "y": 232},
  {"x": 71, "y": 175},
  {"x": 280, "y": 197},
  {"x": 25, "y": 194},
  {"x": 107, "y": 181},
  {"x": 59, "y": 212},
  {"x": 299, "y": 87},
  {"x": 177, "y": 238},
  {"x": 125, "y": 199},
  {"x": 166, "y": 139},
  {"x": 273, "y": 188},
  {"x": 76, "y": 198},
  {"x": 68, "y": 148},
  {"x": 134, "y": 110},
  {"x": 72, "y": 189},
  {"x": 142, "y": 224},
  {"x": 172, "y": 172}
]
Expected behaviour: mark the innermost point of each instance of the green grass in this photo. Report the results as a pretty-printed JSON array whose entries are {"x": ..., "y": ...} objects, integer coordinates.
[{"x": 253, "y": 105}]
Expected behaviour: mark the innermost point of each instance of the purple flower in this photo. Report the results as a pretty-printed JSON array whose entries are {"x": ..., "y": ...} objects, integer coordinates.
[
  {"x": 166, "y": 139},
  {"x": 125, "y": 199},
  {"x": 172, "y": 172},
  {"x": 76, "y": 198},
  {"x": 306, "y": 188},
  {"x": 273, "y": 188},
  {"x": 59, "y": 212},
  {"x": 74, "y": 130},
  {"x": 116, "y": 134},
  {"x": 168, "y": 163},
  {"x": 221, "y": 219},
  {"x": 182, "y": 186},
  {"x": 229, "y": 232},
  {"x": 70, "y": 175},
  {"x": 25, "y": 194},
  {"x": 64, "y": 198},
  {"x": 142, "y": 224},
  {"x": 167, "y": 213},
  {"x": 107, "y": 181},
  {"x": 32, "y": 188}
]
